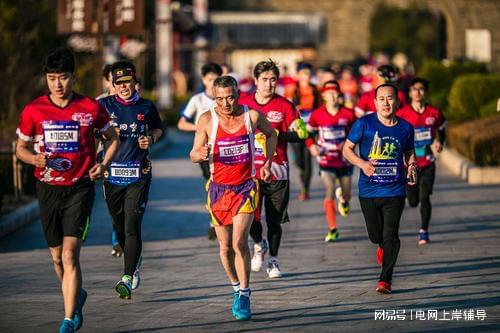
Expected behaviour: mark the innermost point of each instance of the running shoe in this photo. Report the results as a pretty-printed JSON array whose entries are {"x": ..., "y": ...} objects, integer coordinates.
[
  {"x": 236, "y": 298},
  {"x": 380, "y": 255},
  {"x": 342, "y": 206},
  {"x": 243, "y": 311},
  {"x": 67, "y": 326},
  {"x": 136, "y": 278},
  {"x": 124, "y": 287},
  {"x": 211, "y": 233},
  {"x": 423, "y": 237},
  {"x": 303, "y": 195},
  {"x": 383, "y": 287},
  {"x": 116, "y": 250},
  {"x": 338, "y": 193},
  {"x": 273, "y": 269},
  {"x": 78, "y": 318},
  {"x": 259, "y": 251},
  {"x": 332, "y": 236}
]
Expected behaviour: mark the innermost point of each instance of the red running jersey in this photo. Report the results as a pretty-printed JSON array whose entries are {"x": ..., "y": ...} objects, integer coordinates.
[
  {"x": 332, "y": 133},
  {"x": 65, "y": 135},
  {"x": 366, "y": 102},
  {"x": 281, "y": 114},
  {"x": 231, "y": 159},
  {"x": 426, "y": 126}
]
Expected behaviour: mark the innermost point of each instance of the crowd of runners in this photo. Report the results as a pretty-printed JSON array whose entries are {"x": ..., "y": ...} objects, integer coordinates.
[{"x": 241, "y": 143}]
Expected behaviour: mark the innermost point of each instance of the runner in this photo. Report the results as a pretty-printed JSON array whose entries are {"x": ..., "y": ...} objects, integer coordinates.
[
  {"x": 385, "y": 143},
  {"x": 275, "y": 194},
  {"x": 127, "y": 181},
  {"x": 197, "y": 105},
  {"x": 224, "y": 136},
  {"x": 306, "y": 97},
  {"x": 109, "y": 90},
  {"x": 427, "y": 121},
  {"x": 366, "y": 103},
  {"x": 59, "y": 128},
  {"x": 329, "y": 126}
]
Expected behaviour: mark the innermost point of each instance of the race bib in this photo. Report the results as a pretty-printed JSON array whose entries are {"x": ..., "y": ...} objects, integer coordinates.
[
  {"x": 386, "y": 171},
  {"x": 234, "y": 150},
  {"x": 124, "y": 173},
  {"x": 61, "y": 136},
  {"x": 333, "y": 133},
  {"x": 423, "y": 136}
]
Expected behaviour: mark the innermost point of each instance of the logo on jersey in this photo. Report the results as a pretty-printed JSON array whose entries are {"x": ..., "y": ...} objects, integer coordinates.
[
  {"x": 85, "y": 119},
  {"x": 133, "y": 127},
  {"x": 343, "y": 122},
  {"x": 123, "y": 127},
  {"x": 430, "y": 121},
  {"x": 59, "y": 164},
  {"x": 275, "y": 116},
  {"x": 140, "y": 116}
]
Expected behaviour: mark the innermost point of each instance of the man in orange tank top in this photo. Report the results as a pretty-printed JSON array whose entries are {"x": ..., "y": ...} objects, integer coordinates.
[{"x": 225, "y": 137}]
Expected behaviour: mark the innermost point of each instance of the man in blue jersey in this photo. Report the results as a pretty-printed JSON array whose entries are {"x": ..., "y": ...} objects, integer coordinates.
[
  {"x": 127, "y": 180},
  {"x": 387, "y": 162}
]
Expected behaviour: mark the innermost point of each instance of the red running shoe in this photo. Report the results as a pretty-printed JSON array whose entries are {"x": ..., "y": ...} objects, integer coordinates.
[
  {"x": 384, "y": 287},
  {"x": 380, "y": 255}
]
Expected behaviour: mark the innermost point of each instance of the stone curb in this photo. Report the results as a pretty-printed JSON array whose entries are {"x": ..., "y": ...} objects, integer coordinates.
[
  {"x": 466, "y": 170},
  {"x": 28, "y": 213}
]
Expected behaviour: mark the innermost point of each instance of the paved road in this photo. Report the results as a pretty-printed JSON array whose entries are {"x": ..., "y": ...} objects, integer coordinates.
[{"x": 326, "y": 287}]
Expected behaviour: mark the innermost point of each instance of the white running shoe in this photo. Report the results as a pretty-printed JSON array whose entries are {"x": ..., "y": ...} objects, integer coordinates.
[
  {"x": 273, "y": 269},
  {"x": 259, "y": 251},
  {"x": 338, "y": 193},
  {"x": 136, "y": 278}
]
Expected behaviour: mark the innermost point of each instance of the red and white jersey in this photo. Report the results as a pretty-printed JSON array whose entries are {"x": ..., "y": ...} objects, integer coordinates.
[
  {"x": 366, "y": 102},
  {"x": 232, "y": 155},
  {"x": 426, "y": 124},
  {"x": 65, "y": 135},
  {"x": 332, "y": 133},
  {"x": 281, "y": 114}
]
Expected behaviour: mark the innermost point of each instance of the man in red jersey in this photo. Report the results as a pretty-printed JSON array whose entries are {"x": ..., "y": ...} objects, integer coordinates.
[
  {"x": 427, "y": 121},
  {"x": 225, "y": 136},
  {"x": 366, "y": 103},
  {"x": 275, "y": 195},
  {"x": 329, "y": 125},
  {"x": 59, "y": 126}
]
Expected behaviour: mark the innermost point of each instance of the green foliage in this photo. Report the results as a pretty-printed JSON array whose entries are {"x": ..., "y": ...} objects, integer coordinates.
[
  {"x": 441, "y": 78},
  {"x": 490, "y": 108},
  {"x": 469, "y": 93},
  {"x": 415, "y": 31},
  {"x": 477, "y": 140}
]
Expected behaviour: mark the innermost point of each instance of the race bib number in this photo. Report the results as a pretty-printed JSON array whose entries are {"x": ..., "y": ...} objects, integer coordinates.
[
  {"x": 235, "y": 150},
  {"x": 386, "y": 171},
  {"x": 423, "y": 136},
  {"x": 61, "y": 136},
  {"x": 333, "y": 134},
  {"x": 124, "y": 173}
]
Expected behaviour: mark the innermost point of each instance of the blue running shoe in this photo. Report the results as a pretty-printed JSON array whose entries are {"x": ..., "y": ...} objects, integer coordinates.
[
  {"x": 78, "y": 318},
  {"x": 243, "y": 312},
  {"x": 236, "y": 297},
  {"x": 423, "y": 237},
  {"x": 67, "y": 326}
]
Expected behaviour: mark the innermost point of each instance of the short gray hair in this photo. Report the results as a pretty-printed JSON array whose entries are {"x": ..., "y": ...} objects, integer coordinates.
[{"x": 226, "y": 81}]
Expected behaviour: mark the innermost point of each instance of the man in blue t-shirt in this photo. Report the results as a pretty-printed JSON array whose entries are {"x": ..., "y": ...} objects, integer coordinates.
[
  {"x": 127, "y": 180},
  {"x": 385, "y": 147}
]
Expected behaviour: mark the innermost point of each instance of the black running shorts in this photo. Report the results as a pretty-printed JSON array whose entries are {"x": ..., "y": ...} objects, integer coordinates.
[
  {"x": 274, "y": 196},
  {"x": 65, "y": 210}
]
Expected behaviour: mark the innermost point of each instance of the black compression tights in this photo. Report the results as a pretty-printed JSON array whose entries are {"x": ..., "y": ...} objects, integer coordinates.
[{"x": 274, "y": 232}]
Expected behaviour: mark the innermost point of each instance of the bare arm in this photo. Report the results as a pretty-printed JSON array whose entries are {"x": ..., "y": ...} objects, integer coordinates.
[
  {"x": 354, "y": 159},
  {"x": 97, "y": 170},
  {"x": 24, "y": 151},
  {"x": 185, "y": 125},
  {"x": 412, "y": 167},
  {"x": 201, "y": 150},
  {"x": 265, "y": 127}
]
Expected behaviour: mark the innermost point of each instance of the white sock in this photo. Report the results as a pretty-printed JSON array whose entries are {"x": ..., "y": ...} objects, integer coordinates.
[
  {"x": 245, "y": 292},
  {"x": 68, "y": 319},
  {"x": 236, "y": 286}
]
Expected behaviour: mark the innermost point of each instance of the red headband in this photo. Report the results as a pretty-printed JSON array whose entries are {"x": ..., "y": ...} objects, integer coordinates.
[{"x": 330, "y": 88}]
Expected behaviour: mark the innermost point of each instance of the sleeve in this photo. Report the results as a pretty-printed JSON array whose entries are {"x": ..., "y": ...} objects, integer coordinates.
[
  {"x": 102, "y": 118},
  {"x": 312, "y": 124},
  {"x": 441, "y": 120},
  {"x": 291, "y": 114},
  {"x": 154, "y": 121},
  {"x": 356, "y": 131},
  {"x": 189, "y": 111},
  {"x": 26, "y": 130}
]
